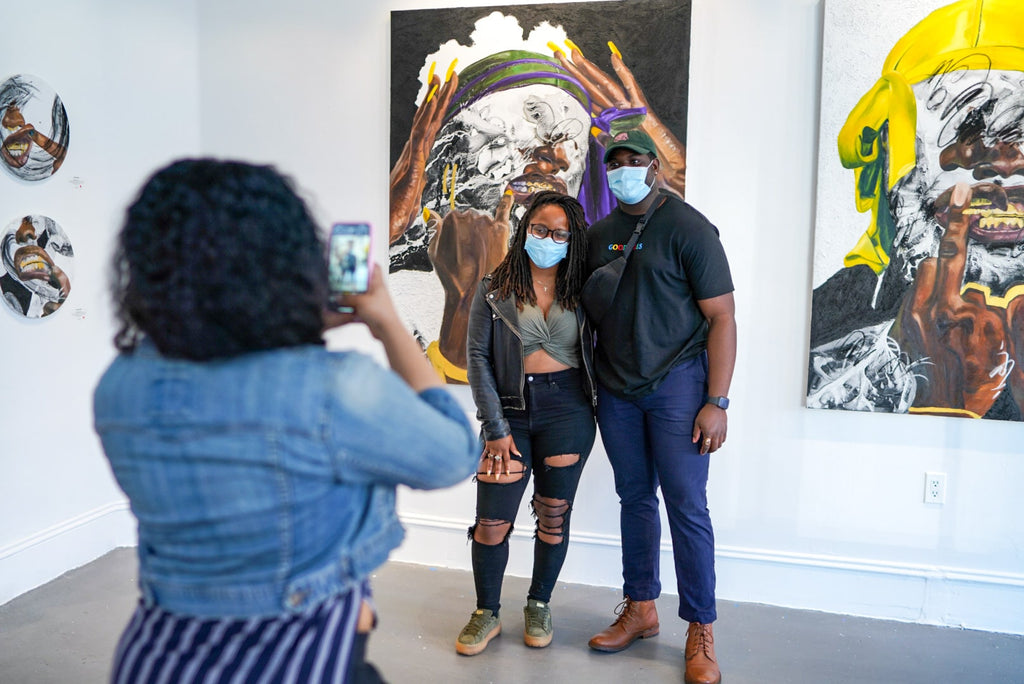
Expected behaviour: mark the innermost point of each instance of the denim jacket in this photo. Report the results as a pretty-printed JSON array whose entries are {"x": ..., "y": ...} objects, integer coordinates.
[
  {"x": 494, "y": 349},
  {"x": 265, "y": 483}
]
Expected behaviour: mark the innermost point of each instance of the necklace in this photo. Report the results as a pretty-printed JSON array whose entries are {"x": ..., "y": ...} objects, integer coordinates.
[{"x": 546, "y": 287}]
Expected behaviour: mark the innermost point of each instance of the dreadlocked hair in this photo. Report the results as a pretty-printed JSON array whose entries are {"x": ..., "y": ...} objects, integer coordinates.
[{"x": 513, "y": 277}]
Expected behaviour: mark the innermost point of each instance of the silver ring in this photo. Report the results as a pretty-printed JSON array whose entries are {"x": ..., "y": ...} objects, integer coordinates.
[
  {"x": 707, "y": 441},
  {"x": 495, "y": 456}
]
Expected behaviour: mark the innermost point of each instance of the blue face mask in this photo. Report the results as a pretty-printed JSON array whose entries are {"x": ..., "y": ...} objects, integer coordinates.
[
  {"x": 545, "y": 252},
  {"x": 629, "y": 183}
]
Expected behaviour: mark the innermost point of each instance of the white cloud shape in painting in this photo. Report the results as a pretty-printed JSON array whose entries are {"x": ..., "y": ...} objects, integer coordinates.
[{"x": 492, "y": 34}]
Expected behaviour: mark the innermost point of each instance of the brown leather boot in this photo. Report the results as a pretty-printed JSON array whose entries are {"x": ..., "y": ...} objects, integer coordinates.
[
  {"x": 701, "y": 665},
  {"x": 636, "y": 620}
]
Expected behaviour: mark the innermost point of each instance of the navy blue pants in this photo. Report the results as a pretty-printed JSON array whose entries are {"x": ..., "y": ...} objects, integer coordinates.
[
  {"x": 649, "y": 443},
  {"x": 558, "y": 419}
]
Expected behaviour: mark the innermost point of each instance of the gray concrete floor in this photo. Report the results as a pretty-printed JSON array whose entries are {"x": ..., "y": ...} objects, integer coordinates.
[{"x": 65, "y": 631}]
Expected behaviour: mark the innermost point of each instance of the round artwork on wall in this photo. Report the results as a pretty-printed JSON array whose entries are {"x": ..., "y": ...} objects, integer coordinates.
[
  {"x": 33, "y": 128},
  {"x": 38, "y": 260}
]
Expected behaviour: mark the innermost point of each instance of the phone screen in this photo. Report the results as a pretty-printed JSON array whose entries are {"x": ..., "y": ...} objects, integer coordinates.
[{"x": 348, "y": 261}]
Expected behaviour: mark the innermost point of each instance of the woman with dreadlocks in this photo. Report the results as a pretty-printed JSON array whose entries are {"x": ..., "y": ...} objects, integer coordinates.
[{"x": 531, "y": 371}]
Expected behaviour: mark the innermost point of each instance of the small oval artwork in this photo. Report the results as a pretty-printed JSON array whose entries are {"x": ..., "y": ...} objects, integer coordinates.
[
  {"x": 38, "y": 260},
  {"x": 34, "y": 130}
]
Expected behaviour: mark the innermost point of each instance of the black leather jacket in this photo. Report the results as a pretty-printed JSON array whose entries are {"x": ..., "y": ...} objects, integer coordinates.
[{"x": 495, "y": 354}]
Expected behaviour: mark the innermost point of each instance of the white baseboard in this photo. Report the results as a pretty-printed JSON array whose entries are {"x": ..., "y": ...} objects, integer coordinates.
[
  {"x": 48, "y": 554},
  {"x": 931, "y": 595}
]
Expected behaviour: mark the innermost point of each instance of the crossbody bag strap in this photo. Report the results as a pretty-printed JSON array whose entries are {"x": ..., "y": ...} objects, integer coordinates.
[{"x": 628, "y": 249}]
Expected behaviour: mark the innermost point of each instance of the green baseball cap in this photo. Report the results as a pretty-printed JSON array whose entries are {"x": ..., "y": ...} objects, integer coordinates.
[{"x": 633, "y": 139}]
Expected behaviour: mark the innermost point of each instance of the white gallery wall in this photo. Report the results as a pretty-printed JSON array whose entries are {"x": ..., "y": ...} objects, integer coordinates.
[
  {"x": 813, "y": 509},
  {"x": 127, "y": 73}
]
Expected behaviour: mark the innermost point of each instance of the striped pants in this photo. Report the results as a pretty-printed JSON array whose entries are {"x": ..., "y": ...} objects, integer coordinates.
[{"x": 319, "y": 645}]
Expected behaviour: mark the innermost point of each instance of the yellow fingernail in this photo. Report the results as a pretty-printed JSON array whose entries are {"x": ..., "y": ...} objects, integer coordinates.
[
  {"x": 595, "y": 131},
  {"x": 430, "y": 95},
  {"x": 555, "y": 49},
  {"x": 430, "y": 76},
  {"x": 508, "y": 191},
  {"x": 451, "y": 70},
  {"x": 615, "y": 50},
  {"x": 426, "y": 215},
  {"x": 573, "y": 46}
]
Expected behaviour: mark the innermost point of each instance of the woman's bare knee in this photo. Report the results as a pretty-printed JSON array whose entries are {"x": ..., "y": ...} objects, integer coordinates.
[
  {"x": 550, "y": 514},
  {"x": 491, "y": 532}
]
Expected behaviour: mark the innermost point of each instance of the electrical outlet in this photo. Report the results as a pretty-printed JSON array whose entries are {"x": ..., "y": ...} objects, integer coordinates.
[{"x": 935, "y": 488}]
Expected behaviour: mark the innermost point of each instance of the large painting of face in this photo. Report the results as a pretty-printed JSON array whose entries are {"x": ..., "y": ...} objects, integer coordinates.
[
  {"x": 492, "y": 105},
  {"x": 34, "y": 129},
  {"x": 925, "y": 314},
  {"x": 527, "y": 139},
  {"x": 37, "y": 258}
]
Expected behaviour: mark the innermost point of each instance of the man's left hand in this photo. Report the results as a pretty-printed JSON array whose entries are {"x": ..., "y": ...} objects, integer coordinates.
[{"x": 709, "y": 428}]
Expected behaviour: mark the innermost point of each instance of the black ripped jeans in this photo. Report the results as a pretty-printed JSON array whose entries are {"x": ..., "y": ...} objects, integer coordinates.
[{"x": 558, "y": 420}]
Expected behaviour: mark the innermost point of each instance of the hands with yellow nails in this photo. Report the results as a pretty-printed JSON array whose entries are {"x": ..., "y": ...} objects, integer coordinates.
[
  {"x": 626, "y": 93},
  {"x": 408, "y": 177}
]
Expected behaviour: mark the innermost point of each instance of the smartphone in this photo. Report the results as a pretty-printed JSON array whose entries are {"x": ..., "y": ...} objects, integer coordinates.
[{"x": 348, "y": 262}]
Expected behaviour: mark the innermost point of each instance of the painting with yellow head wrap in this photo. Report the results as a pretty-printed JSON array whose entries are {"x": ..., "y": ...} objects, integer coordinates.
[{"x": 919, "y": 239}]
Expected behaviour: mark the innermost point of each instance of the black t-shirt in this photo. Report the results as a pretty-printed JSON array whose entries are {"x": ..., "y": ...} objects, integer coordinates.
[{"x": 654, "y": 323}]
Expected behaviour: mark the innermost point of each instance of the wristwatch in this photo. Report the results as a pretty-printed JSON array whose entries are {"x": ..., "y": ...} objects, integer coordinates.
[{"x": 720, "y": 402}]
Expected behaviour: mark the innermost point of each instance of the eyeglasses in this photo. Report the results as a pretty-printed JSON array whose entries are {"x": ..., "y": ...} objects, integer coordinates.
[{"x": 539, "y": 230}]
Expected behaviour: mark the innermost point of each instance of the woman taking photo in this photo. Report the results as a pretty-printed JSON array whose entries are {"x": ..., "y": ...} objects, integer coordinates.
[
  {"x": 530, "y": 370},
  {"x": 261, "y": 467}
]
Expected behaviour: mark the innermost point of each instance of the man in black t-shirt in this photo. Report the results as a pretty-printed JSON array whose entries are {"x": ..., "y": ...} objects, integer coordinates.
[{"x": 665, "y": 353}]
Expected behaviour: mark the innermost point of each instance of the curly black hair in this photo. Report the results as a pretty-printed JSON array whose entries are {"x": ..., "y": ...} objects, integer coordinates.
[
  {"x": 513, "y": 276},
  {"x": 216, "y": 259}
]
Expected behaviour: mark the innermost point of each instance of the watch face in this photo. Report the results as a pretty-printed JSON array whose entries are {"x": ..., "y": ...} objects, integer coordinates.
[{"x": 720, "y": 402}]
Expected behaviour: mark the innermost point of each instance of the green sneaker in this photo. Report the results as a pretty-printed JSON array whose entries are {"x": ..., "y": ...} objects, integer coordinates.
[
  {"x": 538, "y": 631},
  {"x": 478, "y": 632}
]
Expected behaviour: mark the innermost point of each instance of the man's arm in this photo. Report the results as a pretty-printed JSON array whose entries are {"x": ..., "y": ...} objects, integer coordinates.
[{"x": 711, "y": 423}]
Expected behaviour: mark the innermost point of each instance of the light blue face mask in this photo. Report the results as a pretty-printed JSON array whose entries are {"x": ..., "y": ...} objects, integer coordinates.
[
  {"x": 545, "y": 252},
  {"x": 629, "y": 183}
]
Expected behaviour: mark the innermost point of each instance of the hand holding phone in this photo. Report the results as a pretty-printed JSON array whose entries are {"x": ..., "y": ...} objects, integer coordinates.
[
  {"x": 376, "y": 309},
  {"x": 370, "y": 307},
  {"x": 348, "y": 262}
]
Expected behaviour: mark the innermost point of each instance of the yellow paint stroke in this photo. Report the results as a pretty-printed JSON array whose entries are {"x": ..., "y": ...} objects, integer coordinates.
[
  {"x": 430, "y": 95},
  {"x": 943, "y": 411},
  {"x": 451, "y": 70},
  {"x": 426, "y": 215},
  {"x": 553, "y": 46},
  {"x": 430, "y": 76},
  {"x": 615, "y": 50},
  {"x": 595, "y": 131},
  {"x": 451, "y": 201},
  {"x": 573, "y": 46},
  {"x": 445, "y": 368},
  {"x": 995, "y": 300}
]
